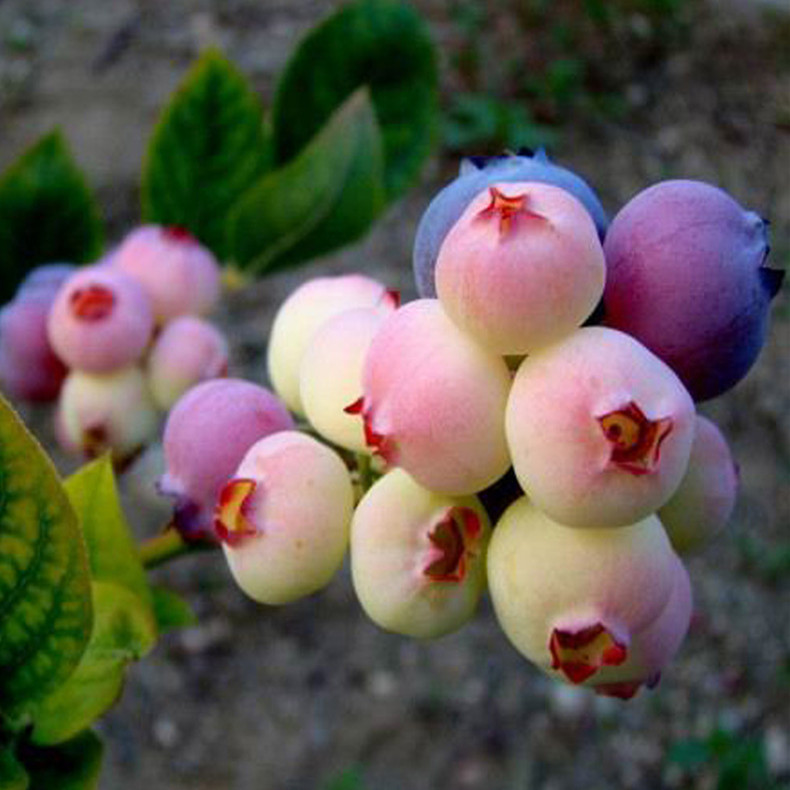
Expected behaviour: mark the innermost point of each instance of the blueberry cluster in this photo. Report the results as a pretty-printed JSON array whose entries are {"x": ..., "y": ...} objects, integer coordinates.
[
  {"x": 558, "y": 351},
  {"x": 115, "y": 342}
]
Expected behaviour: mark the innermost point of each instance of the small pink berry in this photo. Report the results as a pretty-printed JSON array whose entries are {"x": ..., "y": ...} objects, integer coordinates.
[
  {"x": 180, "y": 275},
  {"x": 100, "y": 320},
  {"x": 187, "y": 351}
]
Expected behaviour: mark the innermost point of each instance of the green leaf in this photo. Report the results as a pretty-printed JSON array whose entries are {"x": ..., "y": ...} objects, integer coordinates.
[
  {"x": 379, "y": 43},
  {"x": 171, "y": 610},
  {"x": 45, "y": 603},
  {"x": 124, "y": 631},
  {"x": 689, "y": 753},
  {"x": 47, "y": 213},
  {"x": 74, "y": 765},
  {"x": 325, "y": 198},
  {"x": 112, "y": 551},
  {"x": 12, "y": 775},
  {"x": 208, "y": 148}
]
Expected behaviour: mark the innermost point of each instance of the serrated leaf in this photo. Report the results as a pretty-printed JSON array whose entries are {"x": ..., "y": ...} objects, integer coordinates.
[
  {"x": 207, "y": 149},
  {"x": 384, "y": 45},
  {"x": 47, "y": 213},
  {"x": 45, "y": 603},
  {"x": 327, "y": 197},
  {"x": 124, "y": 631},
  {"x": 171, "y": 610},
  {"x": 112, "y": 552},
  {"x": 74, "y": 765},
  {"x": 13, "y": 776}
]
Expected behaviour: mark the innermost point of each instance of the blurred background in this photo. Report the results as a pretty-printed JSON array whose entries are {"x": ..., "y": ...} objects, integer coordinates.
[{"x": 626, "y": 92}]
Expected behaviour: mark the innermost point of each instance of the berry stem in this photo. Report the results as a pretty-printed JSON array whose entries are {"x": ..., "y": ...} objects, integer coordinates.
[{"x": 167, "y": 546}]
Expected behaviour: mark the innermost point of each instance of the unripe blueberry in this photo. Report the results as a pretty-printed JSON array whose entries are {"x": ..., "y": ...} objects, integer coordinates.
[
  {"x": 29, "y": 369},
  {"x": 100, "y": 320},
  {"x": 187, "y": 351},
  {"x": 303, "y": 312},
  {"x": 521, "y": 268},
  {"x": 47, "y": 278},
  {"x": 477, "y": 174},
  {"x": 417, "y": 557},
  {"x": 109, "y": 411},
  {"x": 652, "y": 648},
  {"x": 705, "y": 499},
  {"x": 572, "y": 600},
  {"x": 686, "y": 276},
  {"x": 433, "y": 401},
  {"x": 284, "y": 517},
  {"x": 331, "y": 375},
  {"x": 207, "y": 434},
  {"x": 180, "y": 275},
  {"x": 599, "y": 429}
]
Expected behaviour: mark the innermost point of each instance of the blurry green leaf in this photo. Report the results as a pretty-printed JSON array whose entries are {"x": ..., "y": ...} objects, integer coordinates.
[
  {"x": 327, "y": 197},
  {"x": 112, "y": 551},
  {"x": 208, "y": 148},
  {"x": 47, "y": 213},
  {"x": 124, "y": 630},
  {"x": 12, "y": 775},
  {"x": 348, "y": 779},
  {"x": 74, "y": 765},
  {"x": 689, "y": 754},
  {"x": 383, "y": 44},
  {"x": 45, "y": 604},
  {"x": 171, "y": 610}
]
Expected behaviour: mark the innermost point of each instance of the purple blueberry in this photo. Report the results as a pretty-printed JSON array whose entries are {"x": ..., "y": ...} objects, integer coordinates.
[
  {"x": 476, "y": 174},
  {"x": 687, "y": 277},
  {"x": 48, "y": 278}
]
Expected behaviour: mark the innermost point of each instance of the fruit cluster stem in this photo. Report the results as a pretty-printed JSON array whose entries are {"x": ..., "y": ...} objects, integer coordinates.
[{"x": 167, "y": 546}]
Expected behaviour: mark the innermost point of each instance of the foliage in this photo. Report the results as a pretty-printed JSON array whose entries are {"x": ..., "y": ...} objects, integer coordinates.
[
  {"x": 354, "y": 117},
  {"x": 47, "y": 213}
]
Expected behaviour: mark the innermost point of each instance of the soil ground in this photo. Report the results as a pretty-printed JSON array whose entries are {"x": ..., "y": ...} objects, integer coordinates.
[{"x": 313, "y": 696}]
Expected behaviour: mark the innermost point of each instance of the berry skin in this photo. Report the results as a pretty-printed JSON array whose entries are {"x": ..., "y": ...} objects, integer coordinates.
[
  {"x": 522, "y": 267},
  {"x": 109, "y": 411},
  {"x": 284, "y": 518},
  {"x": 188, "y": 350},
  {"x": 47, "y": 278},
  {"x": 100, "y": 320},
  {"x": 207, "y": 434},
  {"x": 29, "y": 369},
  {"x": 599, "y": 429},
  {"x": 180, "y": 275},
  {"x": 303, "y": 312},
  {"x": 572, "y": 601},
  {"x": 705, "y": 499},
  {"x": 417, "y": 557},
  {"x": 331, "y": 375},
  {"x": 433, "y": 401},
  {"x": 686, "y": 276},
  {"x": 476, "y": 175}
]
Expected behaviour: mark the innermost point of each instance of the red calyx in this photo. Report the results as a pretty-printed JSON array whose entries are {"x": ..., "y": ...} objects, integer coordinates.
[
  {"x": 636, "y": 440},
  {"x": 380, "y": 443},
  {"x": 507, "y": 209},
  {"x": 453, "y": 536},
  {"x": 92, "y": 302},
  {"x": 580, "y": 654},
  {"x": 178, "y": 233},
  {"x": 232, "y": 517}
]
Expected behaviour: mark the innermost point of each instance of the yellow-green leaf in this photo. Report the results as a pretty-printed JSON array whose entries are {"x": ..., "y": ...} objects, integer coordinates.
[{"x": 45, "y": 603}]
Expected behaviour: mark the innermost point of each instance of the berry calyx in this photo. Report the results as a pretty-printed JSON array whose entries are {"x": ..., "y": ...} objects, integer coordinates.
[
  {"x": 452, "y": 544},
  {"x": 232, "y": 521},
  {"x": 578, "y": 654},
  {"x": 507, "y": 208},
  {"x": 93, "y": 302},
  {"x": 636, "y": 439}
]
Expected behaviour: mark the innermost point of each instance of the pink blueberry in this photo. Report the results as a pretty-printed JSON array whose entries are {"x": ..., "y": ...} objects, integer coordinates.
[
  {"x": 417, "y": 557},
  {"x": 705, "y": 499},
  {"x": 303, "y": 312},
  {"x": 180, "y": 275},
  {"x": 687, "y": 276},
  {"x": 99, "y": 412},
  {"x": 433, "y": 401},
  {"x": 207, "y": 434},
  {"x": 599, "y": 429},
  {"x": 522, "y": 267},
  {"x": 284, "y": 517},
  {"x": 100, "y": 320},
  {"x": 187, "y": 351},
  {"x": 574, "y": 601},
  {"x": 29, "y": 368}
]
